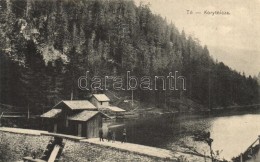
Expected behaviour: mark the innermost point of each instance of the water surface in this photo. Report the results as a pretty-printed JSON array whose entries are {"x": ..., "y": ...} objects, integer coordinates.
[{"x": 231, "y": 134}]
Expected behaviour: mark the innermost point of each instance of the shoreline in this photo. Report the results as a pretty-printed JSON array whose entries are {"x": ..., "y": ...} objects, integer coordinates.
[{"x": 21, "y": 144}]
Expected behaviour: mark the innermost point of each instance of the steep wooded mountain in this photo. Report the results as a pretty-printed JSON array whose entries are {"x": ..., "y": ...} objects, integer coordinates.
[{"x": 45, "y": 46}]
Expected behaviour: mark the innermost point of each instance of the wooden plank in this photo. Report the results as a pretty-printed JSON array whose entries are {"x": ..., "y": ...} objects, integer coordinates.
[
  {"x": 89, "y": 129},
  {"x": 71, "y": 137},
  {"x": 14, "y": 116},
  {"x": 96, "y": 126},
  {"x": 55, "y": 128},
  {"x": 80, "y": 129},
  {"x": 54, "y": 153},
  {"x": 67, "y": 123},
  {"x": 22, "y": 131},
  {"x": 86, "y": 127}
]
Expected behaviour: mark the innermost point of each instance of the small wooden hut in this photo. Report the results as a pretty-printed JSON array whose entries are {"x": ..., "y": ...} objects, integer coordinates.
[{"x": 100, "y": 100}]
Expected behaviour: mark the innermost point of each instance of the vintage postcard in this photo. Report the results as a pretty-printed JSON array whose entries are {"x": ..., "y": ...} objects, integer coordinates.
[{"x": 129, "y": 80}]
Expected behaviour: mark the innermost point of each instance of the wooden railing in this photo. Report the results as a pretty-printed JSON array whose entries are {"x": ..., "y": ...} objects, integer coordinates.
[
  {"x": 252, "y": 150},
  {"x": 14, "y": 115},
  {"x": 17, "y": 115}
]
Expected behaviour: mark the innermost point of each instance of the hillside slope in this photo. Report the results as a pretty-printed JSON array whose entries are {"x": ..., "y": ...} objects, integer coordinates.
[{"x": 46, "y": 46}]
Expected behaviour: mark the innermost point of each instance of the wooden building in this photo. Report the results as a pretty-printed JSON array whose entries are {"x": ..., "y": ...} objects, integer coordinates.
[
  {"x": 100, "y": 100},
  {"x": 76, "y": 117}
]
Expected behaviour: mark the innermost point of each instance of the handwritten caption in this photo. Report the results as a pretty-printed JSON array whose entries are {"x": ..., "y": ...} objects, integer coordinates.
[{"x": 207, "y": 12}]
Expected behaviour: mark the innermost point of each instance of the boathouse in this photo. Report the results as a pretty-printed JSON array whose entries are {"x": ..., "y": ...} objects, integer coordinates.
[{"x": 76, "y": 117}]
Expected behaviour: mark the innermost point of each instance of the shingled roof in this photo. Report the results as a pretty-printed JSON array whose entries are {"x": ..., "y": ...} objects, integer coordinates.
[
  {"x": 85, "y": 115},
  {"x": 101, "y": 97},
  {"x": 51, "y": 114},
  {"x": 115, "y": 109},
  {"x": 76, "y": 105}
]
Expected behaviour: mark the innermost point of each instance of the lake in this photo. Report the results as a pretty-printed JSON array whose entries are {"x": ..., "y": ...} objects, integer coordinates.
[{"x": 232, "y": 134}]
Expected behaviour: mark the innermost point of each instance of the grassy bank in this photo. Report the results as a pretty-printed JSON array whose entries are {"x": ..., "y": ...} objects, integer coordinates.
[{"x": 15, "y": 146}]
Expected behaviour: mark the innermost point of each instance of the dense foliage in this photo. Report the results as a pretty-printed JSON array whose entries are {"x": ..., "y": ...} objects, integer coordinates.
[{"x": 46, "y": 45}]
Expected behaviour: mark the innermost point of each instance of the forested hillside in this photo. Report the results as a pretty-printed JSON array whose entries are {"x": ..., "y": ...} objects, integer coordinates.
[{"x": 45, "y": 46}]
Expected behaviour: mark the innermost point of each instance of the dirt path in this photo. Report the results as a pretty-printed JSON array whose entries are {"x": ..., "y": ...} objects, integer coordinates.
[{"x": 136, "y": 148}]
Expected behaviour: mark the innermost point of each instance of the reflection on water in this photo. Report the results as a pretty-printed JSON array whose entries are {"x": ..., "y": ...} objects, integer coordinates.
[{"x": 231, "y": 134}]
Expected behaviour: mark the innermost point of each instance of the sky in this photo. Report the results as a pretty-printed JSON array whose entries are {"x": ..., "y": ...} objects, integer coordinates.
[{"x": 233, "y": 39}]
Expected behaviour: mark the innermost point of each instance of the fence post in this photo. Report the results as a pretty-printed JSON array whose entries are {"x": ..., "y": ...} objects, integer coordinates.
[{"x": 241, "y": 157}]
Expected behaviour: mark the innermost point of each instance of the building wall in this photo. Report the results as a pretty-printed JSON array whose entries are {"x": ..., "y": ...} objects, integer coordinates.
[
  {"x": 105, "y": 104},
  {"x": 63, "y": 127},
  {"x": 98, "y": 104},
  {"x": 95, "y": 102},
  {"x": 89, "y": 128},
  {"x": 73, "y": 128},
  {"x": 49, "y": 125},
  {"x": 93, "y": 125}
]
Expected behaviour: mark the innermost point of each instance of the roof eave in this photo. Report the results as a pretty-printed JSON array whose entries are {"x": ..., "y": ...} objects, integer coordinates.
[{"x": 104, "y": 115}]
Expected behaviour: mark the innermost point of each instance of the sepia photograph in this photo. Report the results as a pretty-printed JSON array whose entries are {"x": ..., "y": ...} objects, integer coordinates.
[{"x": 129, "y": 81}]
